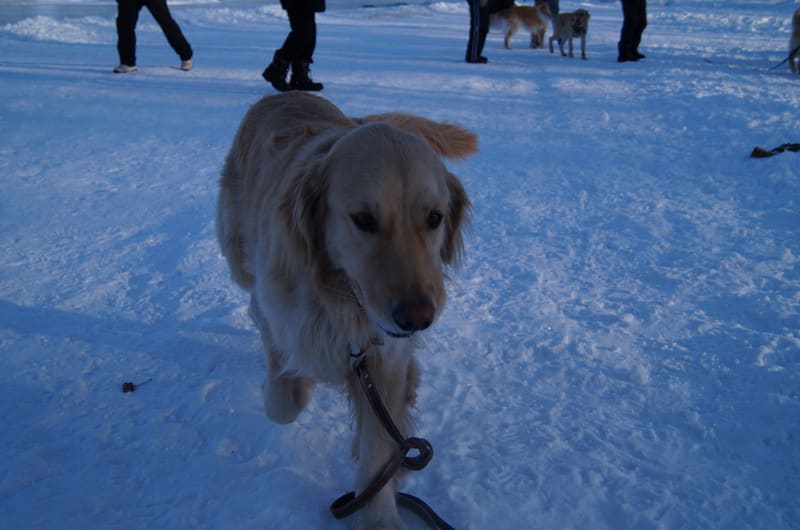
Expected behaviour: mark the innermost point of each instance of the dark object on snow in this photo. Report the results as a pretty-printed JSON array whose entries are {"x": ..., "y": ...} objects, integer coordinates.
[
  {"x": 788, "y": 57},
  {"x": 759, "y": 152},
  {"x": 130, "y": 387},
  {"x": 634, "y": 21}
]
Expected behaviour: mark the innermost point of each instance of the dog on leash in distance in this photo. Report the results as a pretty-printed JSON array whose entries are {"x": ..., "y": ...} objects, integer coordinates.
[
  {"x": 567, "y": 26},
  {"x": 794, "y": 43},
  {"x": 342, "y": 230},
  {"x": 534, "y": 19}
]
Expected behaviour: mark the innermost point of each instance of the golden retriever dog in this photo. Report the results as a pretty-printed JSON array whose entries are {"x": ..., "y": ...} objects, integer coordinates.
[
  {"x": 343, "y": 230},
  {"x": 567, "y": 26},
  {"x": 533, "y": 19},
  {"x": 794, "y": 43}
]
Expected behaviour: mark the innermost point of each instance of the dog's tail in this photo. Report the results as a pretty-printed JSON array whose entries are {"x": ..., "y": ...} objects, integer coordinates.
[{"x": 447, "y": 140}]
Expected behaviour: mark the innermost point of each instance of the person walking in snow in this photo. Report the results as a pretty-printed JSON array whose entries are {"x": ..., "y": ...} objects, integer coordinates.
[
  {"x": 128, "y": 16},
  {"x": 480, "y": 12},
  {"x": 634, "y": 20},
  {"x": 298, "y": 48}
]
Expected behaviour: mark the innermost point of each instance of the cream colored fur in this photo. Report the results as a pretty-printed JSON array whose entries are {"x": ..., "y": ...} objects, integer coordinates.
[
  {"x": 533, "y": 19},
  {"x": 342, "y": 230}
]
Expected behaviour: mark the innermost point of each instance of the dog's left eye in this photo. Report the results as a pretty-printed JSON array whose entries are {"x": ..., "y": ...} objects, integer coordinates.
[{"x": 434, "y": 219}]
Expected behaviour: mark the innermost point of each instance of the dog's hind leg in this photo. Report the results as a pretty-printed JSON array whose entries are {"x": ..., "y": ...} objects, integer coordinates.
[{"x": 561, "y": 47}]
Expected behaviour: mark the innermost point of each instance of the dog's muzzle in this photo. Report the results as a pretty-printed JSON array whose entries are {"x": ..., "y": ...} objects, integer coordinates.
[{"x": 414, "y": 315}]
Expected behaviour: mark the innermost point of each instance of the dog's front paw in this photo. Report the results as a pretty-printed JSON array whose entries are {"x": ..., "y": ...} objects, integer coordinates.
[
  {"x": 378, "y": 516},
  {"x": 365, "y": 523}
]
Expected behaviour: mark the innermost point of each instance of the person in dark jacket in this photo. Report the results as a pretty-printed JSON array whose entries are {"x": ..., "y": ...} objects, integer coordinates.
[
  {"x": 298, "y": 48},
  {"x": 634, "y": 20},
  {"x": 128, "y": 16},
  {"x": 480, "y": 12}
]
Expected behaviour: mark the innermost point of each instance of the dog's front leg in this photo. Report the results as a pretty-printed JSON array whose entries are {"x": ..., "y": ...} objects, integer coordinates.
[
  {"x": 583, "y": 47},
  {"x": 395, "y": 380},
  {"x": 285, "y": 395}
]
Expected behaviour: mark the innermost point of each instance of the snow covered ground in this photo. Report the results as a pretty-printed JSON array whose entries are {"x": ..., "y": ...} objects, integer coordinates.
[{"x": 621, "y": 350}]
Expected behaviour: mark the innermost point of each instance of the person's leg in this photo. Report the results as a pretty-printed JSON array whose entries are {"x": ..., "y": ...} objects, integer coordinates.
[
  {"x": 127, "y": 16},
  {"x": 173, "y": 33},
  {"x": 628, "y": 32},
  {"x": 304, "y": 42},
  {"x": 302, "y": 39},
  {"x": 478, "y": 28},
  {"x": 640, "y": 23}
]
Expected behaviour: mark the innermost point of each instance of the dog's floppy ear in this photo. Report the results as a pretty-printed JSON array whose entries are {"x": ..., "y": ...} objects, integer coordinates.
[
  {"x": 302, "y": 210},
  {"x": 457, "y": 219},
  {"x": 447, "y": 140}
]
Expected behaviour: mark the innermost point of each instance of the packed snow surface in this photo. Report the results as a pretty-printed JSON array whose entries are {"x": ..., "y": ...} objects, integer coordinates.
[{"x": 621, "y": 349}]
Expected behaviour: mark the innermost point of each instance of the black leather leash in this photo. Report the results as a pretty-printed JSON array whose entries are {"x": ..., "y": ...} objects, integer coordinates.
[
  {"x": 349, "y": 503},
  {"x": 759, "y": 152},
  {"x": 791, "y": 53}
]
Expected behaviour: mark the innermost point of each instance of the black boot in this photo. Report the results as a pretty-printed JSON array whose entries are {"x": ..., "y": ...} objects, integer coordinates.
[
  {"x": 275, "y": 73},
  {"x": 626, "y": 54},
  {"x": 301, "y": 80}
]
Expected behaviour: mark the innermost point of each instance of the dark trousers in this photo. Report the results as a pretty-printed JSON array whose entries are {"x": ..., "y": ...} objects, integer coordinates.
[
  {"x": 634, "y": 14},
  {"x": 478, "y": 28},
  {"x": 128, "y": 16},
  {"x": 479, "y": 24},
  {"x": 302, "y": 38}
]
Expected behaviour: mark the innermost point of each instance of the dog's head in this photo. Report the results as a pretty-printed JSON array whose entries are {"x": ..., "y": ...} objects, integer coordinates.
[
  {"x": 581, "y": 24},
  {"x": 389, "y": 216}
]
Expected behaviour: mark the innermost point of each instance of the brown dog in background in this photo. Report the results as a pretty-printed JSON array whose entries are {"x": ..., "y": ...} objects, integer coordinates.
[
  {"x": 794, "y": 43},
  {"x": 567, "y": 26},
  {"x": 342, "y": 231},
  {"x": 534, "y": 19}
]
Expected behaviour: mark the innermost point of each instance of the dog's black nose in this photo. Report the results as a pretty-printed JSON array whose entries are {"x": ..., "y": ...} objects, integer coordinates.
[{"x": 414, "y": 315}]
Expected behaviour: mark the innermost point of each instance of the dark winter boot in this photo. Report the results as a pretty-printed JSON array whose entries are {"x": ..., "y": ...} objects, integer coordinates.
[
  {"x": 301, "y": 80},
  {"x": 275, "y": 73},
  {"x": 626, "y": 54}
]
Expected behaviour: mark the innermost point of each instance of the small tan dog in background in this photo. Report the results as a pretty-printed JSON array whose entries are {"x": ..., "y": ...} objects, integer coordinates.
[
  {"x": 794, "y": 42},
  {"x": 567, "y": 26},
  {"x": 533, "y": 19}
]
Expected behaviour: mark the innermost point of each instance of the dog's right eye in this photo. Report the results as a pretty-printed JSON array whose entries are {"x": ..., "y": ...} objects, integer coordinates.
[{"x": 365, "y": 222}]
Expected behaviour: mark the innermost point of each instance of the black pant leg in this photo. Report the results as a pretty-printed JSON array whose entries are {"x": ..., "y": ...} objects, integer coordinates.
[
  {"x": 478, "y": 28},
  {"x": 173, "y": 33},
  {"x": 634, "y": 14},
  {"x": 641, "y": 22},
  {"x": 301, "y": 41},
  {"x": 127, "y": 17}
]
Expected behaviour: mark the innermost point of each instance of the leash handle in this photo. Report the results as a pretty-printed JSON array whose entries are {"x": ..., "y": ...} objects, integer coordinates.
[{"x": 349, "y": 503}]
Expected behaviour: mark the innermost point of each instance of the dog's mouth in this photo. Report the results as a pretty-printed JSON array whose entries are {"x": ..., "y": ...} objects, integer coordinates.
[
  {"x": 396, "y": 335},
  {"x": 394, "y": 332}
]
